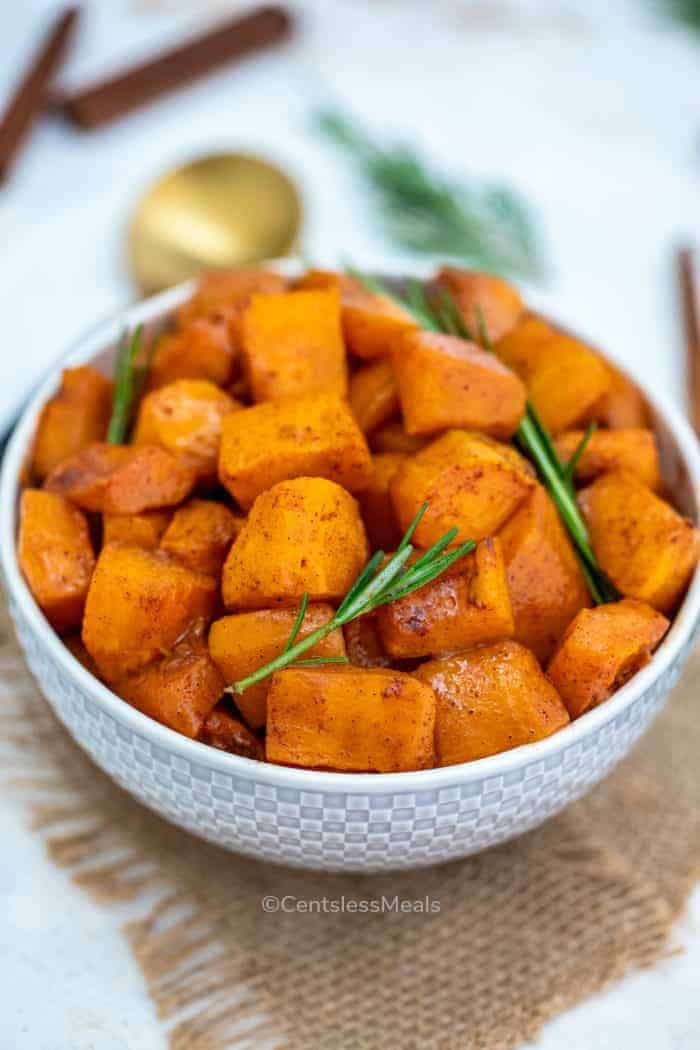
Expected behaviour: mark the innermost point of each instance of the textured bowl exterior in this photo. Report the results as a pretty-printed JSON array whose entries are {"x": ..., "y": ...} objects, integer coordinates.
[{"x": 335, "y": 822}]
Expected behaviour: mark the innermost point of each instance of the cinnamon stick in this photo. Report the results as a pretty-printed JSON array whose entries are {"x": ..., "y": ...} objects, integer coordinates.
[
  {"x": 106, "y": 101},
  {"x": 31, "y": 92},
  {"x": 688, "y": 289}
]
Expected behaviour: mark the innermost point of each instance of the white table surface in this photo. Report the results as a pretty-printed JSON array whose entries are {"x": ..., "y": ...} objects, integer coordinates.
[{"x": 591, "y": 108}]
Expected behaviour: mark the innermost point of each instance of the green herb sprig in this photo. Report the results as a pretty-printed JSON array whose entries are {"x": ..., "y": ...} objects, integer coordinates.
[
  {"x": 376, "y": 585},
  {"x": 130, "y": 370},
  {"x": 441, "y": 314},
  {"x": 427, "y": 212}
]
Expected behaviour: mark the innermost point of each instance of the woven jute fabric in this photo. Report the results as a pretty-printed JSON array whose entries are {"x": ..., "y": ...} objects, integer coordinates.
[{"x": 522, "y": 933}]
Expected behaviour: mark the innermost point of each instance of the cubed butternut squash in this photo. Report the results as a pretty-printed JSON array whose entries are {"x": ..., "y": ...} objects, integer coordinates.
[
  {"x": 185, "y": 418},
  {"x": 623, "y": 406},
  {"x": 241, "y": 643},
  {"x": 292, "y": 345},
  {"x": 140, "y": 603},
  {"x": 353, "y": 720},
  {"x": 446, "y": 382},
  {"x": 116, "y": 479},
  {"x": 467, "y": 605},
  {"x": 313, "y": 436},
  {"x": 73, "y": 418},
  {"x": 468, "y": 482},
  {"x": 200, "y": 535},
  {"x": 374, "y": 396},
  {"x": 300, "y": 535},
  {"x": 392, "y": 437},
  {"x": 136, "y": 530},
  {"x": 484, "y": 295},
  {"x": 201, "y": 349},
  {"x": 547, "y": 587},
  {"x": 55, "y": 555},
  {"x": 647, "y": 548},
  {"x": 601, "y": 649},
  {"x": 376, "y": 506},
  {"x": 489, "y": 700},
  {"x": 363, "y": 644},
  {"x": 624, "y": 449},
  {"x": 226, "y": 733},
  {"x": 565, "y": 379},
  {"x": 180, "y": 690},
  {"x": 220, "y": 293}
]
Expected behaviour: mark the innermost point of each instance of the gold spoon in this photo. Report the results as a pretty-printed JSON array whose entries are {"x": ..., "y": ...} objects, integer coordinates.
[{"x": 222, "y": 210}]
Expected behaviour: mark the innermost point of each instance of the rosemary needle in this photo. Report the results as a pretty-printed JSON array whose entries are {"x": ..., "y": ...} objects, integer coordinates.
[{"x": 129, "y": 377}]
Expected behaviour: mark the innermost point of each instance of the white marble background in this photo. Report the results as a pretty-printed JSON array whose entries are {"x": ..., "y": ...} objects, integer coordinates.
[{"x": 590, "y": 107}]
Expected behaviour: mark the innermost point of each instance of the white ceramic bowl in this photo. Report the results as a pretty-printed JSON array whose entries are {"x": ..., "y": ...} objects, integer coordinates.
[{"x": 337, "y": 821}]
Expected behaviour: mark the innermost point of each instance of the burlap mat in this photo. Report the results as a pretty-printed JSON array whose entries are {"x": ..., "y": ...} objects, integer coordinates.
[{"x": 523, "y": 932}]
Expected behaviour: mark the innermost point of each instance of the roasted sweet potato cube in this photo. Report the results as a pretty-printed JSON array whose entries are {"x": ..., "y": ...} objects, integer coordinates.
[
  {"x": 392, "y": 437},
  {"x": 136, "y": 530},
  {"x": 468, "y": 482},
  {"x": 200, "y": 535},
  {"x": 467, "y": 605},
  {"x": 221, "y": 730},
  {"x": 546, "y": 584},
  {"x": 490, "y": 699},
  {"x": 139, "y": 604},
  {"x": 623, "y": 406},
  {"x": 74, "y": 417},
  {"x": 242, "y": 643},
  {"x": 116, "y": 479},
  {"x": 484, "y": 295},
  {"x": 293, "y": 345},
  {"x": 279, "y": 440},
  {"x": 376, "y": 506},
  {"x": 185, "y": 418},
  {"x": 363, "y": 644},
  {"x": 602, "y": 649},
  {"x": 646, "y": 547},
  {"x": 301, "y": 535},
  {"x": 565, "y": 379},
  {"x": 55, "y": 555},
  {"x": 356, "y": 720},
  {"x": 447, "y": 382},
  {"x": 374, "y": 397},
  {"x": 180, "y": 690},
  {"x": 200, "y": 350},
  {"x": 625, "y": 449}
]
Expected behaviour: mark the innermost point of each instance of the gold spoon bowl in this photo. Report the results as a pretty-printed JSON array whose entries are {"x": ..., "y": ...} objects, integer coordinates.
[{"x": 222, "y": 210}]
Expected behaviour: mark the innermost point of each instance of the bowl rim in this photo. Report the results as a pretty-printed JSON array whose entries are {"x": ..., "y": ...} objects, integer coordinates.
[{"x": 107, "y": 331}]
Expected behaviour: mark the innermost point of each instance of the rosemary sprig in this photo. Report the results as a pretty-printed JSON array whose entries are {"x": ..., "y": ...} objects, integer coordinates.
[
  {"x": 427, "y": 212},
  {"x": 686, "y": 11},
  {"x": 376, "y": 585},
  {"x": 129, "y": 377}
]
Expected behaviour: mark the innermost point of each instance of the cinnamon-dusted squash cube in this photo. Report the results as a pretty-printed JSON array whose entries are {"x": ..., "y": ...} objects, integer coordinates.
[
  {"x": 547, "y": 587},
  {"x": 392, "y": 437},
  {"x": 74, "y": 417},
  {"x": 565, "y": 379},
  {"x": 226, "y": 733},
  {"x": 185, "y": 418},
  {"x": 55, "y": 555},
  {"x": 300, "y": 535},
  {"x": 647, "y": 548},
  {"x": 376, "y": 506},
  {"x": 136, "y": 530},
  {"x": 466, "y": 605},
  {"x": 139, "y": 604},
  {"x": 353, "y": 720},
  {"x": 447, "y": 382},
  {"x": 623, "y": 406},
  {"x": 482, "y": 294},
  {"x": 242, "y": 643},
  {"x": 120, "y": 479},
  {"x": 314, "y": 436},
  {"x": 625, "y": 449},
  {"x": 200, "y": 350},
  {"x": 363, "y": 644},
  {"x": 200, "y": 535},
  {"x": 489, "y": 700},
  {"x": 220, "y": 293},
  {"x": 468, "y": 482},
  {"x": 602, "y": 649},
  {"x": 180, "y": 690},
  {"x": 293, "y": 345},
  {"x": 374, "y": 396}
]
